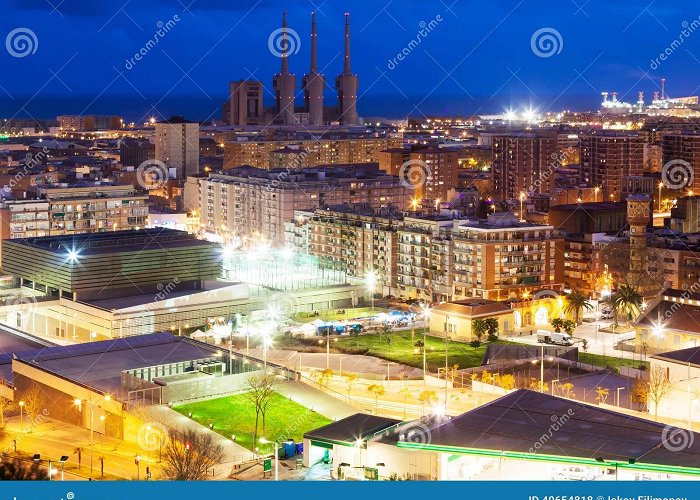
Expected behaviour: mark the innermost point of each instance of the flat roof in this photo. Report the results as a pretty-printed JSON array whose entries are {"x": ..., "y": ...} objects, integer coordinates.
[
  {"x": 100, "y": 364},
  {"x": 684, "y": 356},
  {"x": 520, "y": 421},
  {"x": 352, "y": 428},
  {"x": 116, "y": 241}
]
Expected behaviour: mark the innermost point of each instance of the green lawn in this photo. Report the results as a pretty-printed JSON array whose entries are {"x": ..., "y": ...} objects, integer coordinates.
[
  {"x": 236, "y": 415},
  {"x": 332, "y": 315},
  {"x": 605, "y": 361},
  {"x": 402, "y": 350}
]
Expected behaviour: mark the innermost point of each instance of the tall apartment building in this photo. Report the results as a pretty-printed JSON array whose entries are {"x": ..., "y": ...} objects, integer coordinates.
[
  {"x": 358, "y": 240},
  {"x": 82, "y": 208},
  {"x": 177, "y": 145},
  {"x": 497, "y": 258},
  {"x": 88, "y": 123},
  {"x": 255, "y": 203},
  {"x": 685, "y": 146},
  {"x": 608, "y": 157},
  {"x": 133, "y": 152},
  {"x": 262, "y": 154},
  {"x": 524, "y": 162},
  {"x": 246, "y": 103}
]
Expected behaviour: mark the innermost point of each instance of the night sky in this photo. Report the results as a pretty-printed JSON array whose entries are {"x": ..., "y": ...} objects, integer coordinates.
[{"x": 478, "y": 57}]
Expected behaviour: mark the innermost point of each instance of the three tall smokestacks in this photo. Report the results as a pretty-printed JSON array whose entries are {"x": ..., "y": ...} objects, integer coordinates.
[{"x": 313, "y": 83}]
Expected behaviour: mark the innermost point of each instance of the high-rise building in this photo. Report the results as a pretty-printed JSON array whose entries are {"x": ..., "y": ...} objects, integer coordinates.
[
  {"x": 684, "y": 146},
  {"x": 246, "y": 103},
  {"x": 346, "y": 84},
  {"x": 524, "y": 162},
  {"x": 88, "y": 123},
  {"x": 313, "y": 83},
  {"x": 608, "y": 157},
  {"x": 177, "y": 145},
  {"x": 255, "y": 204},
  {"x": 133, "y": 152},
  {"x": 306, "y": 153},
  {"x": 284, "y": 83}
]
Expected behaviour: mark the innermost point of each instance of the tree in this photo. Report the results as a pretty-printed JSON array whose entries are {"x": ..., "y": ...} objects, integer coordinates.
[
  {"x": 557, "y": 324},
  {"x": 323, "y": 377},
  {"x": 34, "y": 404},
  {"x": 538, "y": 385},
  {"x": 5, "y": 406},
  {"x": 261, "y": 389},
  {"x": 569, "y": 326},
  {"x": 566, "y": 390},
  {"x": 479, "y": 328},
  {"x": 189, "y": 454},
  {"x": 602, "y": 394},
  {"x": 428, "y": 397},
  {"x": 377, "y": 390},
  {"x": 350, "y": 380},
  {"x": 628, "y": 301},
  {"x": 640, "y": 394},
  {"x": 385, "y": 333},
  {"x": 577, "y": 303},
  {"x": 16, "y": 470},
  {"x": 659, "y": 387},
  {"x": 420, "y": 345},
  {"x": 506, "y": 382},
  {"x": 491, "y": 325}
]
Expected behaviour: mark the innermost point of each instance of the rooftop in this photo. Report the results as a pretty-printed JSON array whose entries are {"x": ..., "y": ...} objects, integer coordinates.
[
  {"x": 516, "y": 422},
  {"x": 116, "y": 241},
  {"x": 690, "y": 355},
  {"x": 352, "y": 428},
  {"x": 100, "y": 364},
  {"x": 473, "y": 307}
]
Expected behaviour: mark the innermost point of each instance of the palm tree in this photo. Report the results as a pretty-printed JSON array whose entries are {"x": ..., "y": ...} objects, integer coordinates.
[
  {"x": 576, "y": 303},
  {"x": 627, "y": 300}
]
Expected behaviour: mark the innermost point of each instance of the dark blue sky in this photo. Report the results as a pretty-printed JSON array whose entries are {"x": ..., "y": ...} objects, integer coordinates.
[{"x": 479, "y": 58}]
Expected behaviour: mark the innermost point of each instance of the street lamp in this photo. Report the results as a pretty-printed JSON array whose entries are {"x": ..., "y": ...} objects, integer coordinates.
[
  {"x": 596, "y": 190},
  {"x": 371, "y": 282},
  {"x": 21, "y": 416},
  {"x": 277, "y": 458},
  {"x": 137, "y": 460},
  {"x": 426, "y": 323},
  {"x": 522, "y": 199},
  {"x": 618, "y": 394},
  {"x": 63, "y": 460}
]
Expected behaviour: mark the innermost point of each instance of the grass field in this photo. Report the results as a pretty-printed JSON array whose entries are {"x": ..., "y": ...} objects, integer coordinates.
[
  {"x": 332, "y": 315},
  {"x": 402, "y": 349},
  {"x": 605, "y": 361},
  {"x": 235, "y": 415}
]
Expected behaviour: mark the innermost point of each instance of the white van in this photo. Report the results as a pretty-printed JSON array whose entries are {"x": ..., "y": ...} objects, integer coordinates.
[
  {"x": 607, "y": 313},
  {"x": 554, "y": 338}
]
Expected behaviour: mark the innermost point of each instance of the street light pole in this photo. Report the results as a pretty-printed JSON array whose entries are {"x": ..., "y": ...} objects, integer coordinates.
[{"x": 542, "y": 370}]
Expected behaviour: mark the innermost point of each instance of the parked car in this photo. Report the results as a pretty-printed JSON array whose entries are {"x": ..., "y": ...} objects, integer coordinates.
[{"x": 574, "y": 473}]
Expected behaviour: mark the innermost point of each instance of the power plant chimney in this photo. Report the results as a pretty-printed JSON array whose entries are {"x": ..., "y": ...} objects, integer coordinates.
[
  {"x": 663, "y": 88},
  {"x": 346, "y": 85},
  {"x": 313, "y": 83},
  {"x": 284, "y": 83},
  {"x": 605, "y": 97}
]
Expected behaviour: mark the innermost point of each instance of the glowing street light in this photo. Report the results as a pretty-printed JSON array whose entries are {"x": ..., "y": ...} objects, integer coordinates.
[
  {"x": 522, "y": 199},
  {"x": 371, "y": 283},
  {"x": 277, "y": 458}
]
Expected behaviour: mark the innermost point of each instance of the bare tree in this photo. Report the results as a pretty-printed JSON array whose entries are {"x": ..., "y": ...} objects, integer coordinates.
[
  {"x": 34, "y": 404},
  {"x": 5, "y": 406},
  {"x": 189, "y": 454},
  {"x": 659, "y": 387},
  {"x": 261, "y": 389}
]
